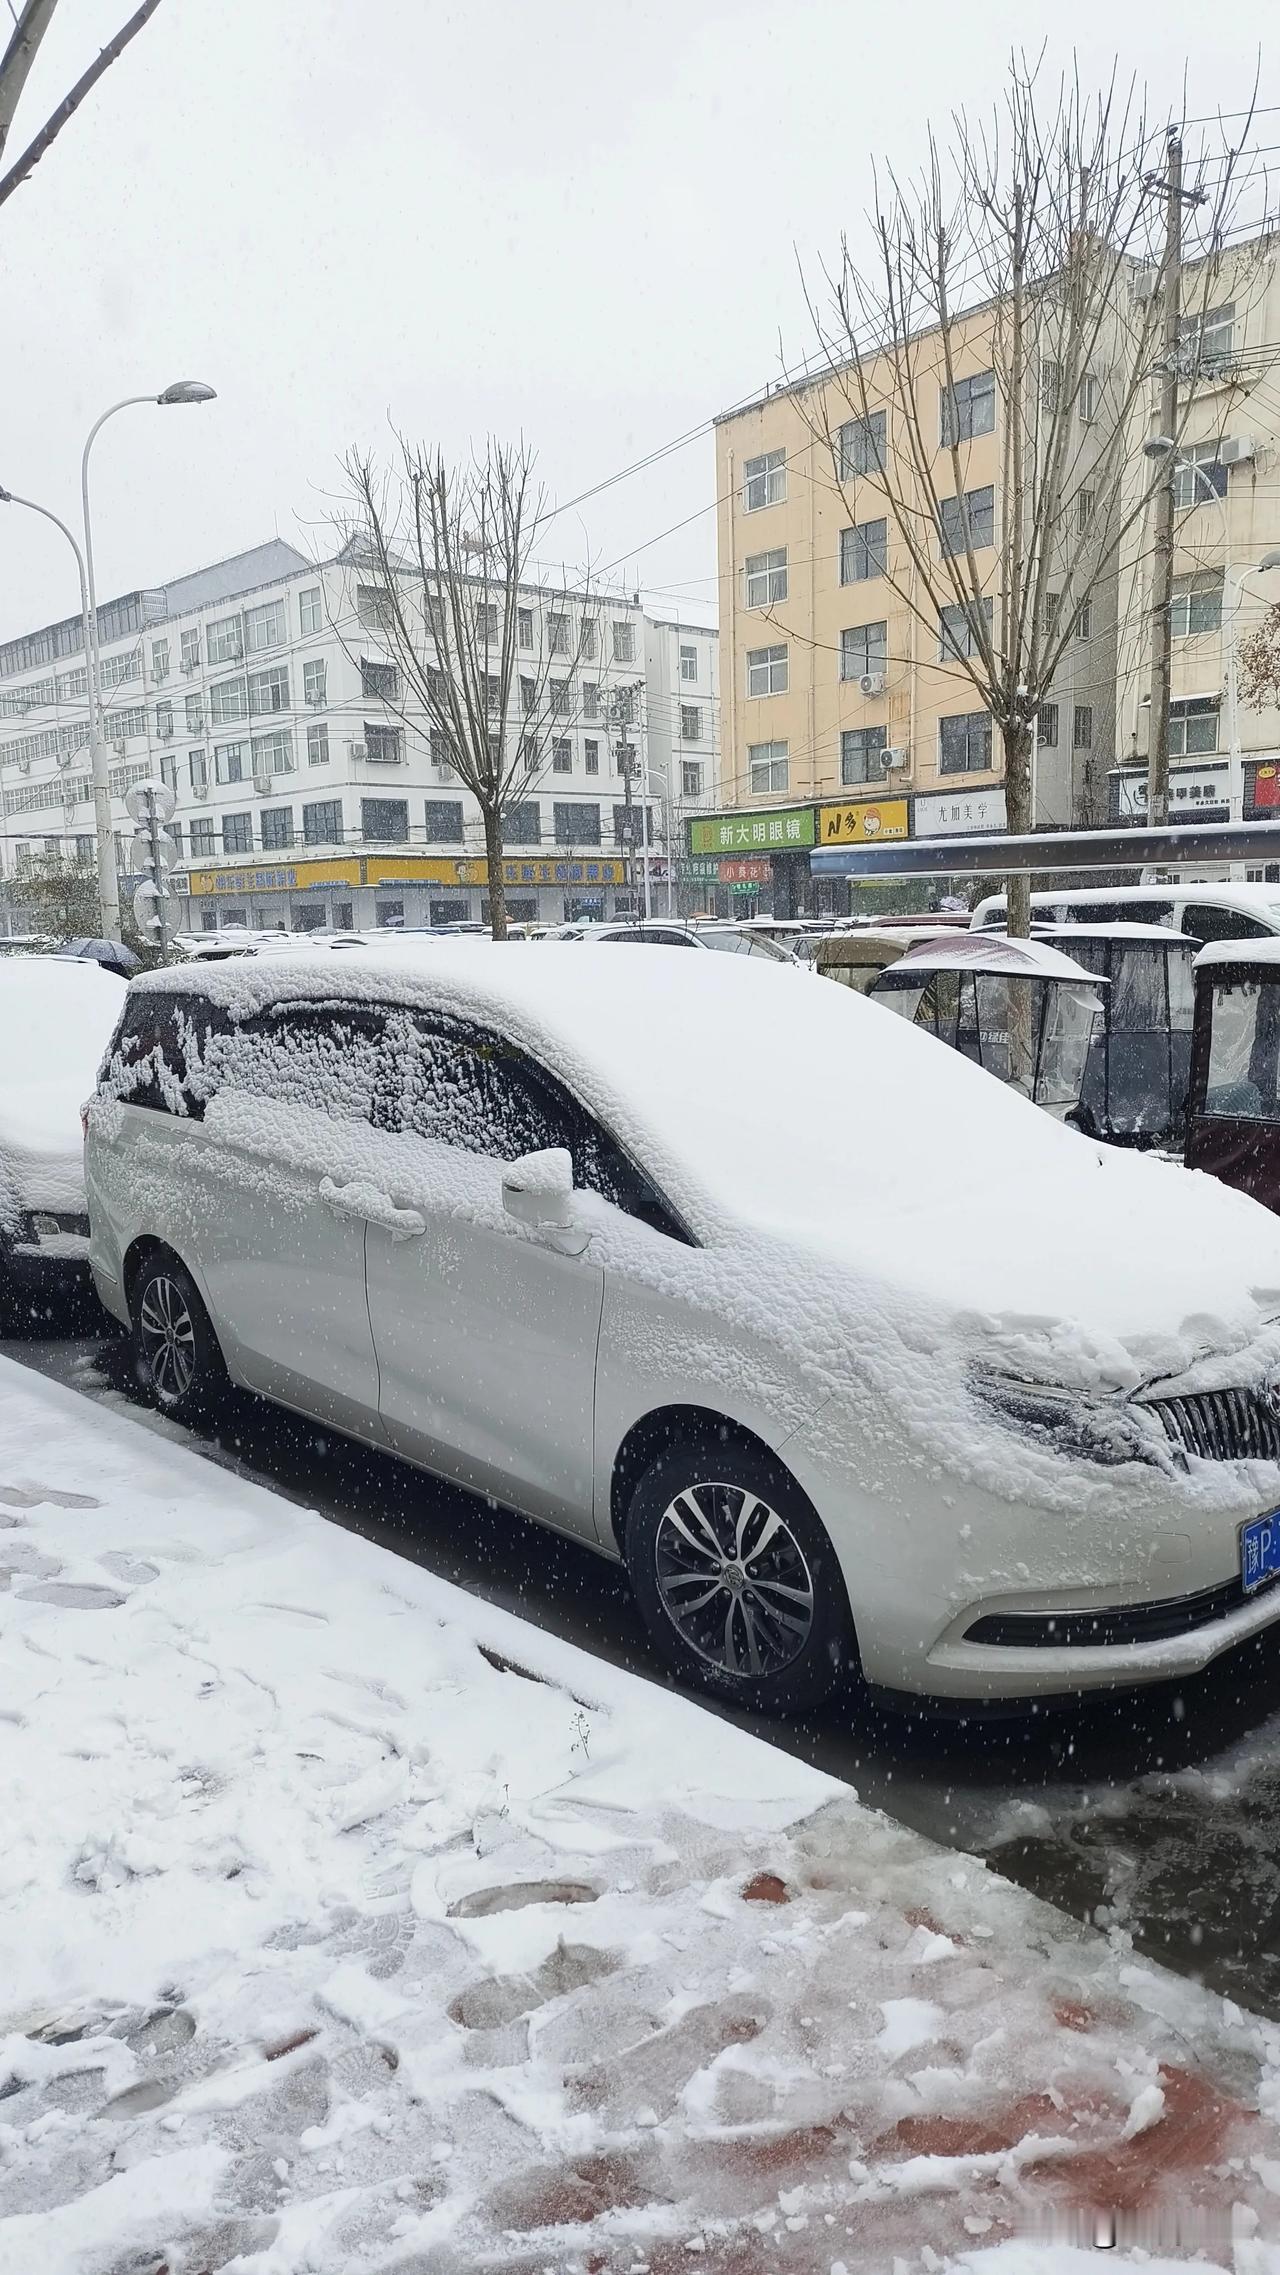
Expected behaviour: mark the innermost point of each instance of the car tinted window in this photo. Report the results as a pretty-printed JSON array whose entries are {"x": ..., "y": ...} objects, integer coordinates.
[
  {"x": 468, "y": 1088},
  {"x": 1206, "y": 923},
  {"x": 324, "y": 1055},
  {"x": 160, "y": 1056}
]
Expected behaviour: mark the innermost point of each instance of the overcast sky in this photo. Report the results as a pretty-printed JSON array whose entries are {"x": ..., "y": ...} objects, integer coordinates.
[{"x": 577, "y": 221}]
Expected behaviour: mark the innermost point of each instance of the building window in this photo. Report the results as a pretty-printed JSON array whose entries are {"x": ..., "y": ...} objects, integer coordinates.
[
  {"x": 769, "y": 767},
  {"x": 862, "y": 755},
  {"x": 374, "y": 611},
  {"x": 690, "y": 778},
  {"x": 1084, "y": 620},
  {"x": 269, "y": 690},
  {"x": 524, "y": 627},
  {"x": 562, "y": 755},
  {"x": 1199, "y": 475},
  {"x": 558, "y": 635},
  {"x": 691, "y": 722},
  {"x": 591, "y": 757},
  {"x": 381, "y": 681},
  {"x": 169, "y": 772},
  {"x": 264, "y": 627},
  {"x": 159, "y": 660},
  {"x": 315, "y": 681},
  {"x": 273, "y": 754},
  {"x": 1193, "y": 726},
  {"x": 628, "y": 825},
  {"x": 964, "y": 743},
  {"x": 237, "y": 833},
  {"x": 1207, "y": 341},
  {"x": 86, "y": 847},
  {"x": 576, "y": 825},
  {"x": 164, "y": 721},
  {"x": 117, "y": 669},
  {"x": 318, "y": 746},
  {"x": 522, "y": 825},
  {"x": 620, "y": 706},
  {"x": 624, "y": 643},
  {"x": 199, "y": 769},
  {"x": 767, "y": 671},
  {"x": 590, "y": 640},
  {"x": 766, "y": 582},
  {"x": 861, "y": 448},
  {"x": 981, "y": 505},
  {"x": 202, "y": 838},
  {"x": 223, "y": 642},
  {"x": 195, "y": 714},
  {"x": 558, "y": 689},
  {"x": 227, "y": 702},
  {"x": 309, "y": 612},
  {"x": 689, "y": 656},
  {"x": 277, "y": 828},
  {"x": 487, "y": 623},
  {"x": 231, "y": 762},
  {"x": 1047, "y": 726},
  {"x": 384, "y": 821},
  {"x": 863, "y": 649},
  {"x": 444, "y": 821},
  {"x": 1082, "y": 727},
  {"x": 968, "y": 408},
  {"x": 590, "y": 700},
  {"x": 1196, "y": 604},
  {"x": 322, "y": 822},
  {"x": 1085, "y": 503},
  {"x": 189, "y": 650},
  {"x": 958, "y": 630},
  {"x": 764, "y": 480},
  {"x": 1087, "y": 400},
  {"x": 864, "y": 551},
  {"x": 390, "y": 915},
  {"x": 382, "y": 745}
]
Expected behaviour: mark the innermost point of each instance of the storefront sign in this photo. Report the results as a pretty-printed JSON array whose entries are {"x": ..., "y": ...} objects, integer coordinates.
[
  {"x": 406, "y": 868},
  {"x": 1195, "y": 792},
  {"x": 704, "y": 872},
  {"x": 1262, "y": 787},
  {"x": 960, "y": 813},
  {"x": 788, "y": 831},
  {"x": 863, "y": 821}
]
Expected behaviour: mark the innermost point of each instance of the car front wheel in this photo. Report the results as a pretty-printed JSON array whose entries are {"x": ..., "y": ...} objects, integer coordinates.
[
  {"x": 178, "y": 1361},
  {"x": 738, "y": 1583}
]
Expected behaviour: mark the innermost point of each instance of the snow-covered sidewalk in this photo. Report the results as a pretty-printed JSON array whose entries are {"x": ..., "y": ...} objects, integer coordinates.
[{"x": 347, "y": 1923}]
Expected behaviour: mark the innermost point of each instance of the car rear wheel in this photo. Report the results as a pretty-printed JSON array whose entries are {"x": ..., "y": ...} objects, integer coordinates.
[
  {"x": 737, "y": 1581},
  {"x": 178, "y": 1360}
]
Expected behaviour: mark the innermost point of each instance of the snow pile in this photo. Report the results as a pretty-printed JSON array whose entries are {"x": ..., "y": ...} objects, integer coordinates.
[
  {"x": 350, "y": 1924},
  {"x": 56, "y": 1017}
]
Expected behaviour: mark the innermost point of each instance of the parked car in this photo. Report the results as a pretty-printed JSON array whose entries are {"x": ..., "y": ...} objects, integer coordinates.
[
  {"x": 852, "y": 1356},
  {"x": 1206, "y": 912},
  {"x": 672, "y": 932},
  {"x": 56, "y": 1018}
]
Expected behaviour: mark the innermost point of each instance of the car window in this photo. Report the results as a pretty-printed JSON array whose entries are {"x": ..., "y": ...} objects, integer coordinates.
[
  {"x": 159, "y": 1056},
  {"x": 725, "y": 943},
  {"x": 469, "y": 1088},
  {"x": 324, "y": 1055},
  {"x": 1206, "y": 923}
]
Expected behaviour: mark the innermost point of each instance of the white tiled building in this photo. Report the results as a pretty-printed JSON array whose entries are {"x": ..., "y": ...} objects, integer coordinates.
[
  {"x": 263, "y": 691},
  {"x": 682, "y": 702}
]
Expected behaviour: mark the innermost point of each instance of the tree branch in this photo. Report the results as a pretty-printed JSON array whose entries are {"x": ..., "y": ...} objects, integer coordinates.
[{"x": 70, "y": 104}]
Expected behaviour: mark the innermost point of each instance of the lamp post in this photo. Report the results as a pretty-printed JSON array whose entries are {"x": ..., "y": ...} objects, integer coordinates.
[{"x": 181, "y": 391}]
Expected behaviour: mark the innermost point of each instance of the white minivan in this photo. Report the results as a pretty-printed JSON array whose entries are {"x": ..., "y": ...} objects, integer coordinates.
[
  {"x": 1206, "y": 912},
  {"x": 853, "y": 1357}
]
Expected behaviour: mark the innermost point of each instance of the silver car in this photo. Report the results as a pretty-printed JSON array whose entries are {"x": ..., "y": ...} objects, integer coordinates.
[{"x": 854, "y": 1357}]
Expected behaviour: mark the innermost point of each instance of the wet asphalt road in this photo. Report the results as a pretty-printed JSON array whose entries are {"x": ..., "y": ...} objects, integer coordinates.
[{"x": 1156, "y": 1812}]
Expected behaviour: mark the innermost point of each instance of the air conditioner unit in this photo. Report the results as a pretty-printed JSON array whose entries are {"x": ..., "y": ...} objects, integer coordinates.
[
  {"x": 893, "y": 757},
  {"x": 872, "y": 683},
  {"x": 262, "y": 784},
  {"x": 24, "y": 766},
  {"x": 443, "y": 773},
  {"x": 160, "y": 676},
  {"x": 199, "y": 789},
  {"x": 1237, "y": 450},
  {"x": 358, "y": 750},
  {"x": 166, "y": 734},
  {"x": 117, "y": 745},
  {"x": 1142, "y": 284},
  {"x": 190, "y": 664}
]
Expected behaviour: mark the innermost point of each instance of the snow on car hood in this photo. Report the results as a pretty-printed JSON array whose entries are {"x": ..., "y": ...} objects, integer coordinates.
[{"x": 803, "y": 1115}]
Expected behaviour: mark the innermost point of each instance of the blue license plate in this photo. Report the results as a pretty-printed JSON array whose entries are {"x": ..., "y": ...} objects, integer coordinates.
[{"x": 1259, "y": 1550}]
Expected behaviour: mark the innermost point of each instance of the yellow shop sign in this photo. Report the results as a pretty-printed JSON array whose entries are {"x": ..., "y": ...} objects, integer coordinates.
[{"x": 862, "y": 821}]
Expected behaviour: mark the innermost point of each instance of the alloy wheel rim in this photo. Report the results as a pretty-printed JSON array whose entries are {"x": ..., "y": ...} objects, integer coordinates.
[
  {"x": 733, "y": 1580},
  {"x": 168, "y": 1337}
]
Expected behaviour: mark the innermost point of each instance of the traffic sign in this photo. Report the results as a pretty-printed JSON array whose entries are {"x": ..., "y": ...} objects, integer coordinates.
[{"x": 146, "y": 798}]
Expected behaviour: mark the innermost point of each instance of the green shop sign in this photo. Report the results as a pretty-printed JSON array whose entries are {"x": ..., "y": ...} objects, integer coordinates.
[{"x": 774, "y": 832}]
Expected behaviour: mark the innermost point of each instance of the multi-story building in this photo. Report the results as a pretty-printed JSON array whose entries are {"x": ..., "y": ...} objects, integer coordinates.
[
  {"x": 307, "y": 794},
  {"x": 682, "y": 711}
]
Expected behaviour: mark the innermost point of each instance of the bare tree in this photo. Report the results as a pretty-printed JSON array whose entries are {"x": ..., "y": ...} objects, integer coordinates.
[
  {"x": 488, "y": 657},
  {"x": 29, "y": 30},
  {"x": 1014, "y": 293},
  {"x": 1258, "y": 663}
]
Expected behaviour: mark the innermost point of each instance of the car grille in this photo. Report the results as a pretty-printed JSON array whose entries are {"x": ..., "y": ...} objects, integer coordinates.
[
  {"x": 1114, "y": 1623},
  {"x": 1220, "y": 1425}
]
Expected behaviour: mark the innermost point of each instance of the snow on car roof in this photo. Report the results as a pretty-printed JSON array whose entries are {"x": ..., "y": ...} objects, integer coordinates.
[
  {"x": 1258, "y": 951},
  {"x": 990, "y": 952},
  {"x": 56, "y": 1017},
  {"x": 809, "y": 1116}
]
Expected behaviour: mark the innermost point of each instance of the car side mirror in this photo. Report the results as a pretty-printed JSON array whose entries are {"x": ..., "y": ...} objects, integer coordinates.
[{"x": 537, "y": 1192}]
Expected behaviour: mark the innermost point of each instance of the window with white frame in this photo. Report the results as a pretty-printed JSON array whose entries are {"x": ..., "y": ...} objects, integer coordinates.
[
  {"x": 116, "y": 670},
  {"x": 864, "y": 551},
  {"x": 958, "y": 630},
  {"x": 380, "y": 680},
  {"x": 558, "y": 690},
  {"x": 764, "y": 480},
  {"x": 223, "y": 640},
  {"x": 269, "y": 690},
  {"x": 1193, "y": 726},
  {"x": 590, "y": 640},
  {"x": 769, "y": 768},
  {"x": 766, "y": 581},
  {"x": 624, "y": 643},
  {"x": 1199, "y": 474},
  {"x": 231, "y": 762},
  {"x": 860, "y": 448},
  {"x": 964, "y": 743},
  {"x": 691, "y": 722},
  {"x": 384, "y": 746},
  {"x": 590, "y": 699},
  {"x": 968, "y": 408},
  {"x": 690, "y": 778},
  {"x": 159, "y": 660},
  {"x": 202, "y": 838},
  {"x": 1083, "y": 629},
  {"x": 318, "y": 745},
  {"x": 195, "y": 714},
  {"x": 558, "y": 635},
  {"x": 591, "y": 755},
  {"x": 1087, "y": 399},
  {"x": 562, "y": 755},
  {"x": 164, "y": 721},
  {"x": 524, "y": 627},
  {"x": 1207, "y": 340},
  {"x": 277, "y": 828},
  {"x": 315, "y": 681},
  {"x": 228, "y": 702},
  {"x": 689, "y": 656},
  {"x": 1197, "y": 604},
  {"x": 967, "y": 520},
  {"x": 264, "y": 626},
  {"x": 864, "y": 648},
  {"x": 198, "y": 767},
  {"x": 169, "y": 772},
  {"x": 273, "y": 754},
  {"x": 374, "y": 612},
  {"x": 322, "y": 822},
  {"x": 767, "y": 670},
  {"x": 487, "y": 623},
  {"x": 189, "y": 649},
  {"x": 237, "y": 833},
  {"x": 310, "y": 610}
]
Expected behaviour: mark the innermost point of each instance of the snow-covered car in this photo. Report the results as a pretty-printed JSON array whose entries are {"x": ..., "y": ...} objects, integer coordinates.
[
  {"x": 56, "y": 1018},
  {"x": 673, "y": 932},
  {"x": 852, "y": 1355}
]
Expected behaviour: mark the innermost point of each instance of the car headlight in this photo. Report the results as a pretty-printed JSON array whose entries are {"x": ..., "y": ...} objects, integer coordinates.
[{"x": 1068, "y": 1422}]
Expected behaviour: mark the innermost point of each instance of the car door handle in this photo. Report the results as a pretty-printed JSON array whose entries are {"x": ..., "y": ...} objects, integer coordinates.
[{"x": 366, "y": 1204}]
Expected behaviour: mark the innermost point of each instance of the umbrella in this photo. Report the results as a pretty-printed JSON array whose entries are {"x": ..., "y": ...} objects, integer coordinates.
[{"x": 111, "y": 953}]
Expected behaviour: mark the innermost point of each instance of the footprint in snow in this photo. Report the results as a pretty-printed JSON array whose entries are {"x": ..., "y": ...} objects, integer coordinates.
[
  {"x": 72, "y": 1595},
  {"x": 32, "y": 1497},
  {"x": 134, "y": 1570}
]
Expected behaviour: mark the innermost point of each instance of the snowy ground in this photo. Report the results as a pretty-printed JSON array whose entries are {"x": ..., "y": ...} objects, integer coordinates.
[{"x": 348, "y": 1923}]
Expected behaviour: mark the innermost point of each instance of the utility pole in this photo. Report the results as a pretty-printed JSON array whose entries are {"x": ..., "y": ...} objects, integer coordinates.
[{"x": 1162, "y": 545}]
